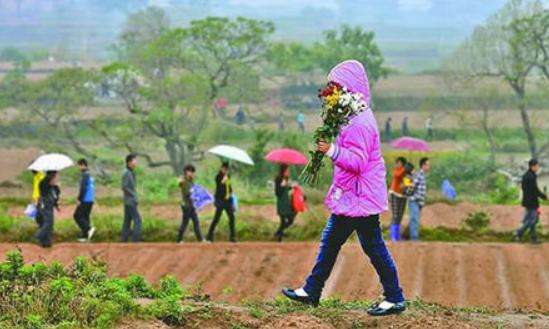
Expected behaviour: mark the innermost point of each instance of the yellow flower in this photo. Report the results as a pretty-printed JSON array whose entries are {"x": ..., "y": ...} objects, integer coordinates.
[{"x": 333, "y": 99}]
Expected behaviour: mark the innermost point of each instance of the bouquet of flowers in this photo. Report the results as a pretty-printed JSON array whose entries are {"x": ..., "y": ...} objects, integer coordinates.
[{"x": 338, "y": 106}]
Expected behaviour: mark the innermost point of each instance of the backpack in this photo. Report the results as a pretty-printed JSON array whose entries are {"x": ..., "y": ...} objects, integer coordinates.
[{"x": 298, "y": 199}]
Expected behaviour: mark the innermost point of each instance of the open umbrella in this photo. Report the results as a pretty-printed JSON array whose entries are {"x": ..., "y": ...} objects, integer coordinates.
[
  {"x": 232, "y": 153},
  {"x": 51, "y": 162},
  {"x": 287, "y": 156},
  {"x": 411, "y": 144}
]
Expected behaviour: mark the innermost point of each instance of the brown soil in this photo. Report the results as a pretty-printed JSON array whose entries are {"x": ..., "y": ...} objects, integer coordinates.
[
  {"x": 221, "y": 316},
  {"x": 13, "y": 161},
  {"x": 495, "y": 275}
]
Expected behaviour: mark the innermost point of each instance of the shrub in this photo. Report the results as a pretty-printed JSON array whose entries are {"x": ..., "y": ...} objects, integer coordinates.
[
  {"x": 501, "y": 192},
  {"x": 467, "y": 171},
  {"x": 477, "y": 221},
  {"x": 82, "y": 295}
]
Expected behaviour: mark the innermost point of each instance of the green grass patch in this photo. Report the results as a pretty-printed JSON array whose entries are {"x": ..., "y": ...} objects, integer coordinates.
[{"x": 19, "y": 229}]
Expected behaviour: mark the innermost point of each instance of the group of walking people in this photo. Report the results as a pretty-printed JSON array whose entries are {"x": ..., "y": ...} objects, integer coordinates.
[
  {"x": 223, "y": 200},
  {"x": 405, "y": 129},
  {"x": 408, "y": 186},
  {"x": 46, "y": 196}
]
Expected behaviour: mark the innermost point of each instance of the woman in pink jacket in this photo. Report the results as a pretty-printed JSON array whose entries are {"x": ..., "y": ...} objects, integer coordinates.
[{"x": 356, "y": 198}]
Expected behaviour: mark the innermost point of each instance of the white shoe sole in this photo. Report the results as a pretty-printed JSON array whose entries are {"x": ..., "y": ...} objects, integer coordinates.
[{"x": 91, "y": 233}]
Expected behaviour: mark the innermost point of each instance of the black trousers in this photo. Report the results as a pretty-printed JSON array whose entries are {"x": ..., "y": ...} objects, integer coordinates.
[
  {"x": 285, "y": 222},
  {"x": 39, "y": 219},
  {"x": 189, "y": 213},
  {"x": 45, "y": 230},
  {"x": 82, "y": 218},
  {"x": 220, "y": 206}
]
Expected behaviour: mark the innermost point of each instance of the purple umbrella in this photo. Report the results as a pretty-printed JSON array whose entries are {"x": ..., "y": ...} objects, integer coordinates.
[{"x": 411, "y": 144}]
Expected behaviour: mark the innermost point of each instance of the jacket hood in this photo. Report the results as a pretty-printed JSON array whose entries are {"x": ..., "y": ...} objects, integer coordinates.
[{"x": 351, "y": 74}]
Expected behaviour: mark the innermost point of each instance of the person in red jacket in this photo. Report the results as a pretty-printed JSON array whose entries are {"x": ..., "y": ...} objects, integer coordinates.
[{"x": 397, "y": 199}]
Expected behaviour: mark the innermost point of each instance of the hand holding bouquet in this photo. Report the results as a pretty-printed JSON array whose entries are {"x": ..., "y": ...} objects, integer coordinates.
[{"x": 338, "y": 106}]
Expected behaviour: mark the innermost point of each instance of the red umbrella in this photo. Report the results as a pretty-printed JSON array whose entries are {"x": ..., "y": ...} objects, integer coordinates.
[
  {"x": 411, "y": 144},
  {"x": 287, "y": 156}
]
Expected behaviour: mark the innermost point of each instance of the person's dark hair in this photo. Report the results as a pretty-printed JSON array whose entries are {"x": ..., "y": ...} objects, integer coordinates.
[
  {"x": 50, "y": 175},
  {"x": 532, "y": 162},
  {"x": 189, "y": 168},
  {"x": 130, "y": 157},
  {"x": 408, "y": 168},
  {"x": 225, "y": 164},
  {"x": 401, "y": 160},
  {"x": 82, "y": 162},
  {"x": 281, "y": 171},
  {"x": 423, "y": 161}
]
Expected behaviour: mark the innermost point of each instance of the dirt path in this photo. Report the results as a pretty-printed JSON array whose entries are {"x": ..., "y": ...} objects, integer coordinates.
[{"x": 495, "y": 275}]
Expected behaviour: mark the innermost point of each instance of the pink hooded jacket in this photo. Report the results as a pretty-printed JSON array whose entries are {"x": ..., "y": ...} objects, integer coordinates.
[{"x": 358, "y": 188}]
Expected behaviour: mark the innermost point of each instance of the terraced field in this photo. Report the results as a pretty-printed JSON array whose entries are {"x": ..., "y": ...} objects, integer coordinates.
[{"x": 501, "y": 276}]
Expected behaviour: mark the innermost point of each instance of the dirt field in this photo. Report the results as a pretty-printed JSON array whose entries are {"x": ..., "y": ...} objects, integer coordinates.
[
  {"x": 13, "y": 161},
  {"x": 502, "y": 276}
]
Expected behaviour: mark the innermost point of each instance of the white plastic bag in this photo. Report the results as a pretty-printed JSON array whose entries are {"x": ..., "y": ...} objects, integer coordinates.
[{"x": 31, "y": 211}]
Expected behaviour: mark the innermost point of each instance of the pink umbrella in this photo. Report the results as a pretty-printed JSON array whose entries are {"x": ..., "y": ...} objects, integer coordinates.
[
  {"x": 221, "y": 103},
  {"x": 411, "y": 144},
  {"x": 287, "y": 156}
]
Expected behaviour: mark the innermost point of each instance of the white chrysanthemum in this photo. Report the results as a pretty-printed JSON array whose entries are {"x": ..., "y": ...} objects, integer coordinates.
[{"x": 345, "y": 99}]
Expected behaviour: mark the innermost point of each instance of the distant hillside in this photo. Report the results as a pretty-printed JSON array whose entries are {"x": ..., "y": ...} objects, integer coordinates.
[{"x": 413, "y": 34}]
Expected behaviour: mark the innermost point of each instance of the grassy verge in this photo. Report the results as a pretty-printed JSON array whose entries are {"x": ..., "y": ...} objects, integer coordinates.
[
  {"x": 17, "y": 229},
  {"x": 83, "y": 295}
]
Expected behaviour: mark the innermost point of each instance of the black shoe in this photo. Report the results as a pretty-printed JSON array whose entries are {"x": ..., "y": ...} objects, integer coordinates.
[
  {"x": 377, "y": 311},
  {"x": 290, "y": 293}
]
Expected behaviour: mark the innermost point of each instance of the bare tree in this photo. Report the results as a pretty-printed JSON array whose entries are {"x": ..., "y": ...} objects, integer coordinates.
[{"x": 494, "y": 50}]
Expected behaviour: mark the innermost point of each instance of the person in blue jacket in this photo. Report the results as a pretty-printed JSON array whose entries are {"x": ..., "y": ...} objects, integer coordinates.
[{"x": 84, "y": 203}]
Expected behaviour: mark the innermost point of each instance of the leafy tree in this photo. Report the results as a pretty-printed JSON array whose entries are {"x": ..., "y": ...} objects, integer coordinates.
[
  {"x": 337, "y": 45},
  {"x": 495, "y": 50},
  {"x": 57, "y": 101},
  {"x": 17, "y": 57},
  {"x": 167, "y": 77},
  {"x": 141, "y": 28},
  {"x": 293, "y": 57},
  {"x": 169, "y": 108},
  {"x": 220, "y": 48},
  {"x": 12, "y": 87},
  {"x": 532, "y": 32},
  {"x": 351, "y": 43},
  {"x": 11, "y": 54}
]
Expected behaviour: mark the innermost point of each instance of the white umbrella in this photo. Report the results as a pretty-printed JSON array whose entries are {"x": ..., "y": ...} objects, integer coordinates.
[
  {"x": 233, "y": 153},
  {"x": 51, "y": 162}
]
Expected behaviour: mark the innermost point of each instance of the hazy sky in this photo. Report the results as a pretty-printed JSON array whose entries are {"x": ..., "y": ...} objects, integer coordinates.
[{"x": 413, "y": 34}]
